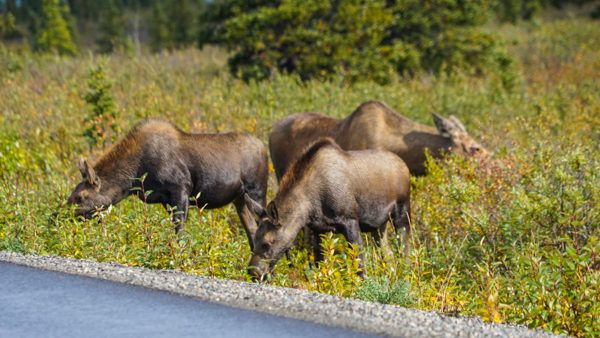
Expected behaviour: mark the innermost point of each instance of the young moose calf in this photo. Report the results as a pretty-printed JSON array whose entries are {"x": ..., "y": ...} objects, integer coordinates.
[
  {"x": 329, "y": 189},
  {"x": 222, "y": 168}
]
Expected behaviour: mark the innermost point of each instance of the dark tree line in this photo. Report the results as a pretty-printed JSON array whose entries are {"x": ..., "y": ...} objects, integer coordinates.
[
  {"x": 361, "y": 39},
  {"x": 65, "y": 26}
]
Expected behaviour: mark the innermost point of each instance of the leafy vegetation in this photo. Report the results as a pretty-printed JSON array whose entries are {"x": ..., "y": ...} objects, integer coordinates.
[
  {"x": 372, "y": 39},
  {"x": 101, "y": 124},
  {"x": 516, "y": 241},
  {"x": 54, "y": 34}
]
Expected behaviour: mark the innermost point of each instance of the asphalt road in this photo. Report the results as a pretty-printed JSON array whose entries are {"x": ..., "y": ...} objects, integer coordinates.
[{"x": 40, "y": 303}]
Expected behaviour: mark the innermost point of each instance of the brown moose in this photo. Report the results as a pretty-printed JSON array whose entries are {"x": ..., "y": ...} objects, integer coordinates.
[
  {"x": 220, "y": 168},
  {"x": 332, "y": 190},
  {"x": 373, "y": 125}
]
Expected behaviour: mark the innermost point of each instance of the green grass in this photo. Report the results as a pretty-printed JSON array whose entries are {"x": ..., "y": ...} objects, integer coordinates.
[{"x": 517, "y": 242}]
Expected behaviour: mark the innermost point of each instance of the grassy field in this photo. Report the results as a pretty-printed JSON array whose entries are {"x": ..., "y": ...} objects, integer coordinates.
[{"x": 517, "y": 243}]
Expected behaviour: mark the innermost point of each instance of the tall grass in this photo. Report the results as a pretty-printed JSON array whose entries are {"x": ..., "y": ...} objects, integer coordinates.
[{"x": 517, "y": 242}]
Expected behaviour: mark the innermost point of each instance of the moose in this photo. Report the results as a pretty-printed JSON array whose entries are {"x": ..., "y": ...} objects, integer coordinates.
[
  {"x": 332, "y": 190},
  {"x": 373, "y": 125},
  {"x": 219, "y": 168}
]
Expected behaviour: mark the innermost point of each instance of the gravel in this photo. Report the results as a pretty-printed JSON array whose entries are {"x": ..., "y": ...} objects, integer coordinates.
[{"x": 352, "y": 314}]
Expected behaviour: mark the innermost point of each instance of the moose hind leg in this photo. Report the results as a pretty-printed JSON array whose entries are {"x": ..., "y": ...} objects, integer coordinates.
[
  {"x": 380, "y": 236},
  {"x": 401, "y": 220},
  {"x": 247, "y": 220},
  {"x": 181, "y": 203}
]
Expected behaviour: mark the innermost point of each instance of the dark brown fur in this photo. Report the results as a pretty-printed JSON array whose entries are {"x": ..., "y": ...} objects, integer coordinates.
[
  {"x": 329, "y": 189},
  {"x": 373, "y": 125},
  {"x": 219, "y": 168}
]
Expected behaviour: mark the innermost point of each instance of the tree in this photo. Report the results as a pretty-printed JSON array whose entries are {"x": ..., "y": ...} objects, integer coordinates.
[
  {"x": 159, "y": 27},
  {"x": 8, "y": 26},
  {"x": 182, "y": 23},
  {"x": 112, "y": 28},
  {"x": 361, "y": 39},
  {"x": 101, "y": 125},
  {"x": 213, "y": 16},
  {"x": 54, "y": 35}
]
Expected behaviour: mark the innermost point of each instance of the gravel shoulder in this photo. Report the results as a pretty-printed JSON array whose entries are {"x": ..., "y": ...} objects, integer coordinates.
[{"x": 352, "y": 314}]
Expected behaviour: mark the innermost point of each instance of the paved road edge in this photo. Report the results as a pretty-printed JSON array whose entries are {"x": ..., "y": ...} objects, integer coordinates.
[{"x": 352, "y": 314}]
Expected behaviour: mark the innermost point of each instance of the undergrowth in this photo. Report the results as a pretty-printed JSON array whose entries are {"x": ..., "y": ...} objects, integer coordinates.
[{"x": 515, "y": 241}]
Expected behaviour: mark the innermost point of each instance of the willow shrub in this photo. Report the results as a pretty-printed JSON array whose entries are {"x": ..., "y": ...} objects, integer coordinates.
[
  {"x": 513, "y": 241},
  {"x": 372, "y": 40}
]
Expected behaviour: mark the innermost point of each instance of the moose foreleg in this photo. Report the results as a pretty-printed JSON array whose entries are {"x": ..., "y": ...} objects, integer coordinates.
[
  {"x": 351, "y": 231},
  {"x": 316, "y": 243},
  {"x": 181, "y": 204},
  {"x": 247, "y": 220}
]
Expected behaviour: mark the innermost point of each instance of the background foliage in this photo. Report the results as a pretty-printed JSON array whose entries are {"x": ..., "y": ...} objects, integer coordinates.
[
  {"x": 517, "y": 242},
  {"x": 362, "y": 40}
]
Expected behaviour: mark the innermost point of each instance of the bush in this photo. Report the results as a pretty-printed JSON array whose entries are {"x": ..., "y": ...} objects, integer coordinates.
[
  {"x": 515, "y": 241},
  {"x": 380, "y": 290},
  {"x": 363, "y": 40},
  {"x": 101, "y": 124}
]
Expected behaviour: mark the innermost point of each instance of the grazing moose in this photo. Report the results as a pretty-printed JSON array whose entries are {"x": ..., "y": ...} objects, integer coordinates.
[
  {"x": 373, "y": 125},
  {"x": 332, "y": 190},
  {"x": 221, "y": 168}
]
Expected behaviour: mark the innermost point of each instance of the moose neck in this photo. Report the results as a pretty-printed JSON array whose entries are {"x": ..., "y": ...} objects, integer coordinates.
[
  {"x": 427, "y": 138},
  {"x": 294, "y": 213},
  {"x": 117, "y": 177}
]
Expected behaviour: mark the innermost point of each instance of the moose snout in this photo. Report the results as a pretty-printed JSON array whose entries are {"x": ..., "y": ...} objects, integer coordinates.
[
  {"x": 85, "y": 213},
  {"x": 478, "y": 151},
  {"x": 258, "y": 268}
]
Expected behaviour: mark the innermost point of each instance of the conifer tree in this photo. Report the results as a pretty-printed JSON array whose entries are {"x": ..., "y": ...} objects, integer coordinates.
[
  {"x": 182, "y": 22},
  {"x": 112, "y": 28},
  {"x": 8, "y": 26},
  {"x": 54, "y": 35},
  {"x": 101, "y": 125},
  {"x": 159, "y": 27}
]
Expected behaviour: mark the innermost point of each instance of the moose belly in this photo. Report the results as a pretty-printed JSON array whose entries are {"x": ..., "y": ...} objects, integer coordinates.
[
  {"x": 215, "y": 195},
  {"x": 374, "y": 215}
]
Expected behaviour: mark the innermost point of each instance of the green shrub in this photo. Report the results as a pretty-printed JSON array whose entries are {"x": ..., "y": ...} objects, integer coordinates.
[
  {"x": 54, "y": 35},
  {"x": 364, "y": 40},
  {"x": 380, "y": 290},
  {"x": 101, "y": 125},
  {"x": 514, "y": 241}
]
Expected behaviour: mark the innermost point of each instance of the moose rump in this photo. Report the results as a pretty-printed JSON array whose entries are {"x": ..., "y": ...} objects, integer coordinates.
[
  {"x": 332, "y": 190},
  {"x": 217, "y": 168}
]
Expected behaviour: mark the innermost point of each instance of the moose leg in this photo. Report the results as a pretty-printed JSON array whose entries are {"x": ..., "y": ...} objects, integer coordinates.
[
  {"x": 247, "y": 219},
  {"x": 316, "y": 243},
  {"x": 351, "y": 231},
  {"x": 181, "y": 204},
  {"x": 380, "y": 236},
  {"x": 401, "y": 220}
]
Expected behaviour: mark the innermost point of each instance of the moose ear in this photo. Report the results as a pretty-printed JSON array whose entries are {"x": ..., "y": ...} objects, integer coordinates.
[
  {"x": 255, "y": 207},
  {"x": 272, "y": 213},
  {"x": 457, "y": 123},
  {"x": 81, "y": 167},
  {"x": 88, "y": 173},
  {"x": 443, "y": 125}
]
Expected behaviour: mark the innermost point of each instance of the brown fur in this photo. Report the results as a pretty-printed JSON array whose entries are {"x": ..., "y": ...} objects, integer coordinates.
[
  {"x": 373, "y": 125},
  {"x": 219, "y": 168},
  {"x": 329, "y": 189},
  {"x": 303, "y": 162}
]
